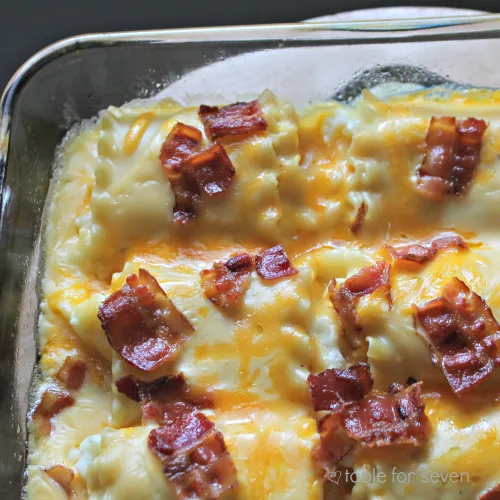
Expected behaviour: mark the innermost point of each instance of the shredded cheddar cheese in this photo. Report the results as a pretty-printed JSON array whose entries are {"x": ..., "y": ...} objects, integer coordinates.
[{"x": 299, "y": 183}]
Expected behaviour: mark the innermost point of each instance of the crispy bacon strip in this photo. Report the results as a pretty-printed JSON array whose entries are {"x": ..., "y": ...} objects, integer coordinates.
[
  {"x": 396, "y": 417},
  {"x": 452, "y": 151},
  {"x": 211, "y": 170},
  {"x": 129, "y": 386},
  {"x": 63, "y": 476},
  {"x": 463, "y": 335},
  {"x": 194, "y": 457},
  {"x": 360, "y": 218},
  {"x": 470, "y": 134},
  {"x": 142, "y": 324},
  {"x": 273, "y": 264},
  {"x": 424, "y": 253},
  {"x": 333, "y": 446},
  {"x": 164, "y": 399},
  {"x": 234, "y": 119},
  {"x": 344, "y": 297},
  {"x": 180, "y": 144},
  {"x": 332, "y": 389},
  {"x": 52, "y": 402},
  {"x": 491, "y": 494},
  {"x": 227, "y": 281},
  {"x": 434, "y": 175},
  {"x": 72, "y": 373},
  {"x": 391, "y": 418},
  {"x": 449, "y": 242},
  {"x": 193, "y": 174}
]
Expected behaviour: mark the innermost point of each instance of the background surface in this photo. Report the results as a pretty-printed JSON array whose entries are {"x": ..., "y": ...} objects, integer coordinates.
[{"x": 27, "y": 26}]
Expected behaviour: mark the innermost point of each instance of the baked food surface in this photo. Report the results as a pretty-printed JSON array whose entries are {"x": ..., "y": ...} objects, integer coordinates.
[{"x": 249, "y": 302}]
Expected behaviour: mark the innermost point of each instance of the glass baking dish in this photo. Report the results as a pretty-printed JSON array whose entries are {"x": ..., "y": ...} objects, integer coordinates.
[{"x": 76, "y": 78}]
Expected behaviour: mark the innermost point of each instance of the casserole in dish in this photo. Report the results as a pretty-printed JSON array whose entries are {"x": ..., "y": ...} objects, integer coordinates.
[{"x": 283, "y": 135}]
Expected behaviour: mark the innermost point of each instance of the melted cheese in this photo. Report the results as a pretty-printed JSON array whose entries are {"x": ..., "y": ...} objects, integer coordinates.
[
  {"x": 271, "y": 452},
  {"x": 300, "y": 183},
  {"x": 124, "y": 467}
]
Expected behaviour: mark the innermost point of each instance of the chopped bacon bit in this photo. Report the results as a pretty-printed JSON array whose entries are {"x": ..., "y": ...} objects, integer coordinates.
[
  {"x": 227, "y": 281},
  {"x": 434, "y": 176},
  {"x": 470, "y": 134},
  {"x": 234, "y": 119},
  {"x": 463, "y": 335},
  {"x": 424, "y": 253},
  {"x": 332, "y": 389},
  {"x": 180, "y": 144},
  {"x": 396, "y": 387},
  {"x": 344, "y": 298},
  {"x": 211, "y": 170},
  {"x": 360, "y": 218},
  {"x": 72, "y": 373},
  {"x": 449, "y": 242},
  {"x": 142, "y": 324},
  {"x": 333, "y": 446},
  {"x": 273, "y": 264},
  {"x": 414, "y": 253},
  {"x": 129, "y": 386},
  {"x": 491, "y": 494},
  {"x": 368, "y": 279},
  {"x": 52, "y": 402},
  {"x": 163, "y": 399},
  {"x": 452, "y": 151},
  {"x": 194, "y": 457},
  {"x": 392, "y": 418},
  {"x": 396, "y": 417},
  {"x": 190, "y": 173},
  {"x": 63, "y": 476},
  {"x": 345, "y": 307}
]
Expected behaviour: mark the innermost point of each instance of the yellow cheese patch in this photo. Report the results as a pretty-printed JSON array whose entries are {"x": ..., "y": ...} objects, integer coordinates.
[{"x": 300, "y": 183}]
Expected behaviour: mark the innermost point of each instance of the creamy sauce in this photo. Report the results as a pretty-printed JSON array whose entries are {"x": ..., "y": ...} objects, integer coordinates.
[{"x": 301, "y": 184}]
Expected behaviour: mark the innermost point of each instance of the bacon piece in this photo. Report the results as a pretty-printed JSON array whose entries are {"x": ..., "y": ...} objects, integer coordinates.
[
  {"x": 332, "y": 389},
  {"x": 396, "y": 417},
  {"x": 142, "y": 324},
  {"x": 129, "y": 386},
  {"x": 452, "y": 151},
  {"x": 449, "y": 242},
  {"x": 360, "y": 218},
  {"x": 164, "y": 399},
  {"x": 424, "y": 253},
  {"x": 368, "y": 279},
  {"x": 344, "y": 298},
  {"x": 434, "y": 176},
  {"x": 470, "y": 133},
  {"x": 333, "y": 446},
  {"x": 180, "y": 144},
  {"x": 193, "y": 174},
  {"x": 463, "y": 335},
  {"x": 53, "y": 402},
  {"x": 234, "y": 119},
  {"x": 194, "y": 457},
  {"x": 491, "y": 494},
  {"x": 273, "y": 264},
  {"x": 63, "y": 476},
  {"x": 414, "y": 253},
  {"x": 391, "y": 418},
  {"x": 211, "y": 170},
  {"x": 72, "y": 373},
  {"x": 227, "y": 281}
]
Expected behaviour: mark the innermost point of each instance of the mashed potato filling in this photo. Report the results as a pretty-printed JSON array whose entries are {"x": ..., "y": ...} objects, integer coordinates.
[{"x": 334, "y": 184}]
